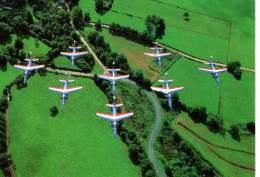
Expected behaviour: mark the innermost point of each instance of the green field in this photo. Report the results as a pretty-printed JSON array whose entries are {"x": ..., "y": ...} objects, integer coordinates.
[
  {"x": 29, "y": 45},
  {"x": 246, "y": 143},
  {"x": 200, "y": 89},
  {"x": 202, "y": 36},
  {"x": 8, "y": 75},
  {"x": 64, "y": 62},
  {"x": 74, "y": 143}
]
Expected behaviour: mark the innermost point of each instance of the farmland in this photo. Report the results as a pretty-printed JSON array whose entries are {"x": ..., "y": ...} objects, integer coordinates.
[
  {"x": 135, "y": 54},
  {"x": 187, "y": 36},
  {"x": 246, "y": 144},
  {"x": 75, "y": 142},
  {"x": 200, "y": 89}
]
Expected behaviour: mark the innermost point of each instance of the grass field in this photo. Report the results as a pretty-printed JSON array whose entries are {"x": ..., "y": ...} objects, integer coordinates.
[
  {"x": 200, "y": 89},
  {"x": 203, "y": 35},
  {"x": 8, "y": 75},
  {"x": 74, "y": 143},
  {"x": 64, "y": 62},
  {"x": 29, "y": 45},
  {"x": 135, "y": 54},
  {"x": 246, "y": 143}
]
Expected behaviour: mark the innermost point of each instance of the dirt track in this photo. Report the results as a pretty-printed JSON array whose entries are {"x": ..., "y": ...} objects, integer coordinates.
[
  {"x": 232, "y": 163},
  {"x": 206, "y": 141}
]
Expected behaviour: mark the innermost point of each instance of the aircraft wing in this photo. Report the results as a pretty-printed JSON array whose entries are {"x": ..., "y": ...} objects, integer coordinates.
[
  {"x": 71, "y": 54},
  {"x": 160, "y": 89},
  {"x": 121, "y": 77},
  {"x": 66, "y": 91},
  {"x": 175, "y": 89},
  {"x": 22, "y": 67},
  {"x": 117, "y": 117},
  {"x": 34, "y": 67},
  {"x": 106, "y": 77},
  {"x": 209, "y": 70},
  {"x": 157, "y": 55}
]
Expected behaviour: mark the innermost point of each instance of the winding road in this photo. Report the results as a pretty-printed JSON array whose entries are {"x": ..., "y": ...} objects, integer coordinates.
[{"x": 155, "y": 102}]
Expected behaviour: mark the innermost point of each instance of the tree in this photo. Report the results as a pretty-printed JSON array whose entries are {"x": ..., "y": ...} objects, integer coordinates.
[
  {"x": 234, "y": 131},
  {"x": 4, "y": 31},
  {"x": 198, "y": 114},
  {"x": 234, "y": 68},
  {"x": 22, "y": 54},
  {"x": 3, "y": 104},
  {"x": 251, "y": 127},
  {"x": 29, "y": 18},
  {"x": 18, "y": 44},
  {"x": 87, "y": 17},
  {"x": 214, "y": 123},
  {"x": 2, "y": 59},
  {"x": 133, "y": 152},
  {"x": 10, "y": 50},
  {"x": 98, "y": 25},
  {"x": 155, "y": 25},
  {"x": 139, "y": 75},
  {"x": 99, "y": 5},
  {"x": 77, "y": 17},
  {"x": 54, "y": 111}
]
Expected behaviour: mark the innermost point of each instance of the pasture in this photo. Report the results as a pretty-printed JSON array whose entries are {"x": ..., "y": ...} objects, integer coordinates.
[
  {"x": 64, "y": 62},
  {"x": 33, "y": 45},
  {"x": 134, "y": 53},
  {"x": 73, "y": 143},
  {"x": 225, "y": 100},
  {"x": 7, "y": 74},
  {"x": 246, "y": 144},
  {"x": 226, "y": 33}
]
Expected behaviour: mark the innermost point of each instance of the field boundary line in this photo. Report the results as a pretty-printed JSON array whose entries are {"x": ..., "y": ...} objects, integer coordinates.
[
  {"x": 206, "y": 141},
  {"x": 191, "y": 11},
  {"x": 197, "y": 59},
  {"x": 232, "y": 163}
]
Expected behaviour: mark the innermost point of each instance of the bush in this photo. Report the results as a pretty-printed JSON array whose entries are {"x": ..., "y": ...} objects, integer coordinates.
[
  {"x": 54, "y": 111},
  {"x": 251, "y": 127},
  {"x": 234, "y": 131},
  {"x": 234, "y": 68},
  {"x": 214, "y": 123},
  {"x": 198, "y": 114}
]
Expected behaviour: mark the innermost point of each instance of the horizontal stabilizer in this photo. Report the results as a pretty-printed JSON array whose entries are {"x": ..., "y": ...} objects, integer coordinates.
[
  {"x": 163, "y": 80},
  {"x": 155, "y": 48},
  {"x": 115, "y": 69},
  {"x": 34, "y": 59},
  {"x": 117, "y": 105},
  {"x": 77, "y": 47},
  {"x": 64, "y": 80}
]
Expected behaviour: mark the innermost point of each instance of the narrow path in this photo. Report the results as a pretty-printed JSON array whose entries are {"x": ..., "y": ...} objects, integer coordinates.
[
  {"x": 86, "y": 44},
  {"x": 11, "y": 166},
  {"x": 77, "y": 73},
  {"x": 232, "y": 163},
  {"x": 206, "y": 141}
]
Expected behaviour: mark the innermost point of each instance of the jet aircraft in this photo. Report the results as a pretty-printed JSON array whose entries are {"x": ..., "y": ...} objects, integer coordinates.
[
  {"x": 158, "y": 55},
  {"x": 28, "y": 68},
  {"x": 65, "y": 90},
  {"x": 114, "y": 117},
  {"x": 74, "y": 54},
  {"x": 166, "y": 89},
  {"x": 113, "y": 78},
  {"x": 214, "y": 72}
]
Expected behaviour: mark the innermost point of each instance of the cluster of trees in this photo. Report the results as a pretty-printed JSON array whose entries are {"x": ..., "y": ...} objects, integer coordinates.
[
  {"x": 129, "y": 135},
  {"x": 80, "y": 20},
  {"x": 155, "y": 26},
  {"x": 5, "y": 31},
  {"x": 183, "y": 163},
  {"x": 129, "y": 33},
  {"x": 234, "y": 68},
  {"x": 103, "y": 51},
  {"x": 186, "y": 16},
  {"x": 103, "y": 5}
]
